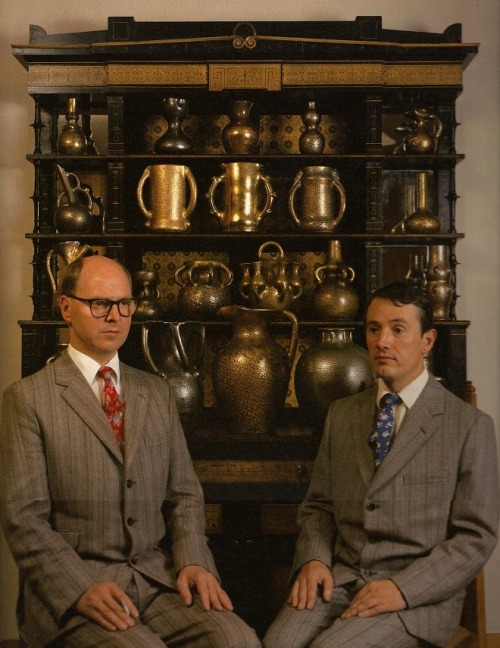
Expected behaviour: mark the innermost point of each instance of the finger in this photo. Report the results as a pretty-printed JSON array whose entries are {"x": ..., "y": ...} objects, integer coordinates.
[
  {"x": 302, "y": 594},
  {"x": 312, "y": 594},
  {"x": 327, "y": 590},
  {"x": 293, "y": 596},
  {"x": 225, "y": 600},
  {"x": 128, "y": 607},
  {"x": 184, "y": 590},
  {"x": 204, "y": 594},
  {"x": 214, "y": 597}
]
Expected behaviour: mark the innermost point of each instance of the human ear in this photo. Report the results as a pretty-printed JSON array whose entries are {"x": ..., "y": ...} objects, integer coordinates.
[
  {"x": 428, "y": 339},
  {"x": 65, "y": 308}
]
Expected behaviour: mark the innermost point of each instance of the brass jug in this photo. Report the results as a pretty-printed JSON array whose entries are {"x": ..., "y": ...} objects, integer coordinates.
[
  {"x": 146, "y": 291},
  {"x": 334, "y": 298},
  {"x": 422, "y": 132},
  {"x": 73, "y": 216},
  {"x": 319, "y": 211},
  {"x": 240, "y": 136},
  {"x": 251, "y": 372},
  {"x": 203, "y": 288},
  {"x": 175, "y": 364},
  {"x": 241, "y": 183},
  {"x": 168, "y": 196},
  {"x": 270, "y": 282},
  {"x": 68, "y": 251}
]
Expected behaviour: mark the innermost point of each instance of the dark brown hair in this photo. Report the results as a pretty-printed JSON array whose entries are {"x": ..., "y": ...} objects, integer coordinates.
[{"x": 401, "y": 294}]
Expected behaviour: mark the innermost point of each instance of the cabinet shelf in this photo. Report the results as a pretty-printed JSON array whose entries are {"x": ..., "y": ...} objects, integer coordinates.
[
  {"x": 194, "y": 239},
  {"x": 387, "y": 160}
]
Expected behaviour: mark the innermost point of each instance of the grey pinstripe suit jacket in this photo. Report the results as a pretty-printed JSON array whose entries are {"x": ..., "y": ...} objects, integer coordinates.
[
  {"x": 428, "y": 519},
  {"x": 75, "y": 510}
]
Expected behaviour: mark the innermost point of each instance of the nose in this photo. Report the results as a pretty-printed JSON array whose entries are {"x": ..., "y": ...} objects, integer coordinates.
[
  {"x": 114, "y": 314},
  {"x": 384, "y": 337}
]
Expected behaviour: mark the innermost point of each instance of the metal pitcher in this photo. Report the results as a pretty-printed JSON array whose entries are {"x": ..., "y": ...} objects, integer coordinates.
[
  {"x": 319, "y": 211},
  {"x": 168, "y": 185},
  {"x": 175, "y": 364},
  {"x": 68, "y": 251},
  {"x": 241, "y": 196}
]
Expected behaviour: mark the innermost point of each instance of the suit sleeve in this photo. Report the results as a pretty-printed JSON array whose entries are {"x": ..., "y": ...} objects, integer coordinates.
[
  {"x": 473, "y": 524},
  {"x": 185, "y": 503},
  {"x": 315, "y": 518},
  {"x": 53, "y": 568}
]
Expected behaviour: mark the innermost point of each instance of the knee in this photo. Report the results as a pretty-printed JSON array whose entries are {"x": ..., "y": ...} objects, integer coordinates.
[
  {"x": 236, "y": 635},
  {"x": 248, "y": 640}
]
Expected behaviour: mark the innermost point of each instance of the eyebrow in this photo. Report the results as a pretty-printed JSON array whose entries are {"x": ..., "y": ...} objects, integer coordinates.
[{"x": 393, "y": 321}]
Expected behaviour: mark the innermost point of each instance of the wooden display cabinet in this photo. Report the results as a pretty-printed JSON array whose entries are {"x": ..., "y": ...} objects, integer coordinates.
[{"x": 363, "y": 78}]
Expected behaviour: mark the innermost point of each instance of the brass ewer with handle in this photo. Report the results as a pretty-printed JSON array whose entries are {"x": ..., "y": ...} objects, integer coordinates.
[
  {"x": 68, "y": 251},
  {"x": 319, "y": 210},
  {"x": 241, "y": 210},
  {"x": 251, "y": 371},
  {"x": 169, "y": 205},
  {"x": 176, "y": 354}
]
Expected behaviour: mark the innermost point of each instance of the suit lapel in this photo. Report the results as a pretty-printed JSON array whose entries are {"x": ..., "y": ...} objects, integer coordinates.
[
  {"x": 364, "y": 421},
  {"x": 419, "y": 425},
  {"x": 80, "y": 397},
  {"x": 136, "y": 407}
]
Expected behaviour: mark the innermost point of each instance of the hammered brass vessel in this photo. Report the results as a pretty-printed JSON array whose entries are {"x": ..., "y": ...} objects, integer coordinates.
[
  {"x": 251, "y": 371},
  {"x": 170, "y": 206}
]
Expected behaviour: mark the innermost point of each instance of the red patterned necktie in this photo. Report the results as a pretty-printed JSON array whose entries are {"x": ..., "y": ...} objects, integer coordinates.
[{"x": 113, "y": 403}]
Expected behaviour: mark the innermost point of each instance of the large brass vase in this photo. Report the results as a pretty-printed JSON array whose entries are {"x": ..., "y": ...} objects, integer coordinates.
[
  {"x": 332, "y": 368},
  {"x": 251, "y": 372},
  {"x": 176, "y": 354}
]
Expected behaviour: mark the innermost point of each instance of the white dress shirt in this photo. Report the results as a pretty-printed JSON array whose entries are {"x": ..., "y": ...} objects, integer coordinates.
[
  {"x": 90, "y": 367},
  {"x": 408, "y": 395}
]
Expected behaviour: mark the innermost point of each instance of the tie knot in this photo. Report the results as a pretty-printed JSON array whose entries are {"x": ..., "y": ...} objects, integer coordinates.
[
  {"x": 106, "y": 373},
  {"x": 389, "y": 400}
]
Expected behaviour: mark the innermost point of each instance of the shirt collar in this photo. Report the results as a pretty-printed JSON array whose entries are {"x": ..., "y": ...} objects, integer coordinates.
[
  {"x": 408, "y": 394},
  {"x": 89, "y": 367}
]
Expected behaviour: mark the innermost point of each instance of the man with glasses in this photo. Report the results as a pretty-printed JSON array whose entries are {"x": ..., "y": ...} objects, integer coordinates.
[{"x": 108, "y": 531}]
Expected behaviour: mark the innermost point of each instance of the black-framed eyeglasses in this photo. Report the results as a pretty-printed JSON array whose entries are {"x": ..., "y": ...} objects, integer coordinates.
[{"x": 102, "y": 307}]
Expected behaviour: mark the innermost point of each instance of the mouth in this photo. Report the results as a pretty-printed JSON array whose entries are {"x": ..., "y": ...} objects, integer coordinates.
[{"x": 383, "y": 359}]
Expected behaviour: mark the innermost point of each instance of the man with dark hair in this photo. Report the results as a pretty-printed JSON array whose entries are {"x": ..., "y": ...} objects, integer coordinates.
[
  {"x": 402, "y": 509},
  {"x": 100, "y": 504}
]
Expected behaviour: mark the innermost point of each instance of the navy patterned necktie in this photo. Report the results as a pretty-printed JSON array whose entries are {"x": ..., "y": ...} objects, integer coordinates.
[{"x": 382, "y": 435}]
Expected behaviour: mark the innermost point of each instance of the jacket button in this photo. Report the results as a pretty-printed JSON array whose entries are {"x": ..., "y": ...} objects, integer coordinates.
[
  {"x": 134, "y": 560},
  {"x": 131, "y": 521},
  {"x": 130, "y": 483},
  {"x": 371, "y": 506}
]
